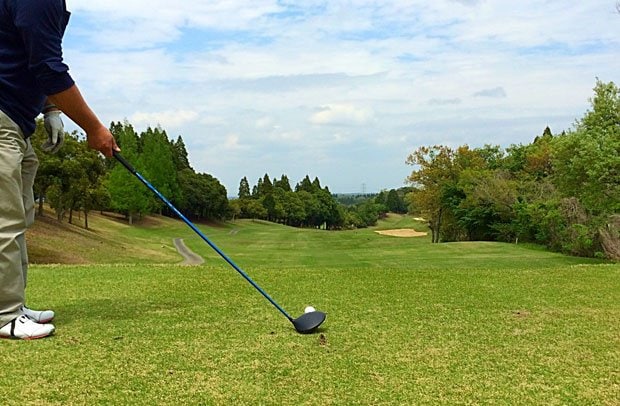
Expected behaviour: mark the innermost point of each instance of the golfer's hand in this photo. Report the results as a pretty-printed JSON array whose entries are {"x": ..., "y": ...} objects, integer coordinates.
[
  {"x": 103, "y": 141},
  {"x": 55, "y": 131}
]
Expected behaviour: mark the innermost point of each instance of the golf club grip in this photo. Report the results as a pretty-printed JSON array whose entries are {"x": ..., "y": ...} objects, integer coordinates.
[{"x": 124, "y": 162}]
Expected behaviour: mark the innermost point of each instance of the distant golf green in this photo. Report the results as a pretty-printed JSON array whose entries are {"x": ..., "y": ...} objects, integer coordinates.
[{"x": 408, "y": 322}]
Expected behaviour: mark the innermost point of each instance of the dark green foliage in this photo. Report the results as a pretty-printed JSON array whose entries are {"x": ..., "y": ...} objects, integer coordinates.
[
  {"x": 562, "y": 190},
  {"x": 305, "y": 185},
  {"x": 283, "y": 184},
  {"x": 158, "y": 163},
  {"x": 128, "y": 195},
  {"x": 204, "y": 196},
  {"x": 587, "y": 160},
  {"x": 244, "y": 189},
  {"x": 70, "y": 180},
  {"x": 368, "y": 213},
  {"x": 353, "y": 199},
  {"x": 180, "y": 157},
  {"x": 395, "y": 203},
  {"x": 309, "y": 205},
  {"x": 78, "y": 178}
]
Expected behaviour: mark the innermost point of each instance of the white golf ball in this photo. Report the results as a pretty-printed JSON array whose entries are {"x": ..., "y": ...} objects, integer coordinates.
[{"x": 309, "y": 309}]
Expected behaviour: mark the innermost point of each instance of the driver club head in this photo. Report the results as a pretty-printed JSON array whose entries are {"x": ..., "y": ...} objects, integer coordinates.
[{"x": 308, "y": 322}]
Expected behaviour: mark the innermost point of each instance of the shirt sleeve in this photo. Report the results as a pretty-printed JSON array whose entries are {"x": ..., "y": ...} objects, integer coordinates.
[{"x": 41, "y": 24}]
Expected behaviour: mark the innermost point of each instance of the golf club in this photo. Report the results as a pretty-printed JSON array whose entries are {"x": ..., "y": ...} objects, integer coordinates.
[{"x": 306, "y": 323}]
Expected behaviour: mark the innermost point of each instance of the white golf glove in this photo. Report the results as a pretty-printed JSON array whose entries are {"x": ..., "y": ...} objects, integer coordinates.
[{"x": 55, "y": 131}]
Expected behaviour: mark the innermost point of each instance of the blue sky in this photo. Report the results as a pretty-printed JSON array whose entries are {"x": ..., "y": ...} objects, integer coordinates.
[{"x": 341, "y": 90}]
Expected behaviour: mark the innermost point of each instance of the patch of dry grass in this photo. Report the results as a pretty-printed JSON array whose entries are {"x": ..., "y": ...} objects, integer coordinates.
[{"x": 109, "y": 239}]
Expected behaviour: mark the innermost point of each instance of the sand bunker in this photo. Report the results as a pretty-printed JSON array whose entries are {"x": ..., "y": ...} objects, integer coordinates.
[{"x": 402, "y": 232}]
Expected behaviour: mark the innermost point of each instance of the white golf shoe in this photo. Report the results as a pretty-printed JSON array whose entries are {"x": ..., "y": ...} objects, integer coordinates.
[
  {"x": 24, "y": 328},
  {"x": 38, "y": 316}
]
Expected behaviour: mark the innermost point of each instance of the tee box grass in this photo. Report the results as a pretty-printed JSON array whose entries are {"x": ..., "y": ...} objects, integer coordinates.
[{"x": 408, "y": 322}]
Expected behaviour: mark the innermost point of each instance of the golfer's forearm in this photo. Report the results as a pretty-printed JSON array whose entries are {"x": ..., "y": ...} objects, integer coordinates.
[{"x": 72, "y": 103}]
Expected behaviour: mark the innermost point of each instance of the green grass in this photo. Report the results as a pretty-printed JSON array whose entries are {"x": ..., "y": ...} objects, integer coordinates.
[{"x": 409, "y": 322}]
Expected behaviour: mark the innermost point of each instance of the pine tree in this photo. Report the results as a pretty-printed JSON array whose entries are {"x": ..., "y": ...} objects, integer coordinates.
[
  {"x": 179, "y": 154},
  {"x": 283, "y": 184},
  {"x": 244, "y": 189},
  {"x": 158, "y": 164},
  {"x": 127, "y": 194}
]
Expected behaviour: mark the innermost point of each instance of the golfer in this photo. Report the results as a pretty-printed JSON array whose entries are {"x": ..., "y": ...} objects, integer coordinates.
[{"x": 33, "y": 79}]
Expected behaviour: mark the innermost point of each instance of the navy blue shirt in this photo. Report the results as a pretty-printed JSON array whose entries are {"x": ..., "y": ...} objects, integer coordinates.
[{"x": 31, "y": 65}]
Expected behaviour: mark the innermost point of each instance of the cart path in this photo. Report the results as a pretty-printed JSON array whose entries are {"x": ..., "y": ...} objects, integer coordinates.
[{"x": 189, "y": 257}]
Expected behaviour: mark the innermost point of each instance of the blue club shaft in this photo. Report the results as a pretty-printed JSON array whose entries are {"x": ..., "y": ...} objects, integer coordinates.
[{"x": 200, "y": 233}]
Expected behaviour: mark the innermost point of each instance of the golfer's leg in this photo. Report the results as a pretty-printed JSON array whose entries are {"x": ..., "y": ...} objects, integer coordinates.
[
  {"x": 30, "y": 164},
  {"x": 12, "y": 219}
]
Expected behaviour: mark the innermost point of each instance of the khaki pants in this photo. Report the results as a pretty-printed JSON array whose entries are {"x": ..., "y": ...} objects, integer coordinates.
[{"x": 18, "y": 167}]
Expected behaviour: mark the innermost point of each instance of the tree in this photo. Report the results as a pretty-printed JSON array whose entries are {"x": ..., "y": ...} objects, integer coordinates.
[
  {"x": 127, "y": 194},
  {"x": 71, "y": 176},
  {"x": 311, "y": 208},
  {"x": 157, "y": 162},
  {"x": 256, "y": 190},
  {"x": 395, "y": 203},
  {"x": 244, "y": 189},
  {"x": 283, "y": 184},
  {"x": 88, "y": 191},
  {"x": 587, "y": 160},
  {"x": 294, "y": 209},
  {"x": 47, "y": 173},
  {"x": 367, "y": 213},
  {"x": 304, "y": 185},
  {"x": 255, "y": 210},
  {"x": 488, "y": 204},
  {"x": 179, "y": 154},
  {"x": 234, "y": 207},
  {"x": 205, "y": 196},
  {"x": 331, "y": 215},
  {"x": 316, "y": 184},
  {"x": 264, "y": 187},
  {"x": 438, "y": 194},
  {"x": 269, "y": 203},
  {"x": 437, "y": 171}
]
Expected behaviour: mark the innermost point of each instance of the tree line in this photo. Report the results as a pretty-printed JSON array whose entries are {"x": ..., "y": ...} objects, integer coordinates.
[
  {"x": 78, "y": 179},
  {"x": 561, "y": 191},
  {"x": 309, "y": 204}
]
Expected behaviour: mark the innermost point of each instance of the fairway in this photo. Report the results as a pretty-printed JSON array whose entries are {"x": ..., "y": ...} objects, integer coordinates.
[{"x": 408, "y": 322}]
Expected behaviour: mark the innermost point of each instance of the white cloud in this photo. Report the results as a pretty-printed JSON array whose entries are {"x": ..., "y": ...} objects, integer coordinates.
[
  {"x": 264, "y": 122},
  {"x": 231, "y": 142},
  {"x": 496, "y": 92},
  {"x": 444, "y": 102},
  {"x": 167, "y": 119},
  {"x": 241, "y": 80},
  {"x": 212, "y": 121},
  {"x": 223, "y": 14},
  {"x": 342, "y": 114},
  {"x": 294, "y": 136}
]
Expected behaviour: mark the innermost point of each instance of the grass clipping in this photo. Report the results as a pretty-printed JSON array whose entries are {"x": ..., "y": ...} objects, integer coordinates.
[{"x": 402, "y": 232}]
